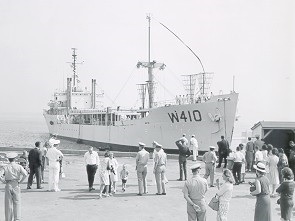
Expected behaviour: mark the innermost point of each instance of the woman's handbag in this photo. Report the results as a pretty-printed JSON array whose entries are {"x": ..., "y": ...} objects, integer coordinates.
[{"x": 214, "y": 203}]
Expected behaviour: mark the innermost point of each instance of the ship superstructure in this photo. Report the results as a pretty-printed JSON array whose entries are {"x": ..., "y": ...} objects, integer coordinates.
[{"x": 80, "y": 115}]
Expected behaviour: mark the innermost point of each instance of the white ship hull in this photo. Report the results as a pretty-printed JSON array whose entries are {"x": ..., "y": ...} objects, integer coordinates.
[{"x": 207, "y": 120}]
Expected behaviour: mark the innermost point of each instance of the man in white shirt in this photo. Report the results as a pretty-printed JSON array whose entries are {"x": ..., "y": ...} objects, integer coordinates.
[
  {"x": 141, "y": 159},
  {"x": 194, "y": 147},
  {"x": 160, "y": 169},
  {"x": 91, "y": 159},
  {"x": 54, "y": 156},
  {"x": 210, "y": 159},
  {"x": 194, "y": 191},
  {"x": 258, "y": 155},
  {"x": 12, "y": 175},
  {"x": 184, "y": 139}
]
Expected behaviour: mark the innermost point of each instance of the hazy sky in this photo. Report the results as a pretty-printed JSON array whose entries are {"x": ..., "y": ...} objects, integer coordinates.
[{"x": 251, "y": 40}]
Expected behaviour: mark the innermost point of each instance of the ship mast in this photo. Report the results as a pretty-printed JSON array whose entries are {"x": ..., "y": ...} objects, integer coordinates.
[
  {"x": 74, "y": 66},
  {"x": 150, "y": 65}
]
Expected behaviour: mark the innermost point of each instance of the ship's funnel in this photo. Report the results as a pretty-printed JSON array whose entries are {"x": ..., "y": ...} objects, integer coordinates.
[
  {"x": 93, "y": 93},
  {"x": 69, "y": 93}
]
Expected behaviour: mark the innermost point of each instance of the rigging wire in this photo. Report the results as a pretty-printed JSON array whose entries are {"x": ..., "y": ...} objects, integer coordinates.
[
  {"x": 132, "y": 72},
  {"x": 163, "y": 86},
  {"x": 183, "y": 44}
]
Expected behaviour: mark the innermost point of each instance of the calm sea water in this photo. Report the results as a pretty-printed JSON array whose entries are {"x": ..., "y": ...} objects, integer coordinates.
[{"x": 22, "y": 130}]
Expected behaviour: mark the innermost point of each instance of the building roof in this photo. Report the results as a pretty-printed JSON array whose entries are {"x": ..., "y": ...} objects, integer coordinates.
[{"x": 274, "y": 124}]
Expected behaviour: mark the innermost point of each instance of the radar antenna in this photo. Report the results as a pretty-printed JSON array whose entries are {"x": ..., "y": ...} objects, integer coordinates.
[{"x": 73, "y": 65}]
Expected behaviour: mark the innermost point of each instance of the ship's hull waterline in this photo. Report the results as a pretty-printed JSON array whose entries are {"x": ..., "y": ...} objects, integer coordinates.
[{"x": 207, "y": 120}]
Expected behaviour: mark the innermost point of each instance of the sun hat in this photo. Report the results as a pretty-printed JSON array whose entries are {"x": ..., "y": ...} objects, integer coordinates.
[
  {"x": 260, "y": 167},
  {"x": 212, "y": 147},
  {"x": 193, "y": 135}
]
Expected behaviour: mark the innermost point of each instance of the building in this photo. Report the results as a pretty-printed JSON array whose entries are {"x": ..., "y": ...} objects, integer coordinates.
[{"x": 276, "y": 133}]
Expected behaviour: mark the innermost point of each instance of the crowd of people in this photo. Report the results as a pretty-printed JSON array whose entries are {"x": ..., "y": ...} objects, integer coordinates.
[{"x": 274, "y": 170}]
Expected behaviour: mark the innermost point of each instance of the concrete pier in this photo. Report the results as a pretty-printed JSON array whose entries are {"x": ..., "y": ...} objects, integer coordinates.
[{"x": 75, "y": 202}]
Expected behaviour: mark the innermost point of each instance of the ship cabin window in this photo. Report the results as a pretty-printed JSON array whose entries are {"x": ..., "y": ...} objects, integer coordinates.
[
  {"x": 87, "y": 119},
  {"x": 103, "y": 119}
]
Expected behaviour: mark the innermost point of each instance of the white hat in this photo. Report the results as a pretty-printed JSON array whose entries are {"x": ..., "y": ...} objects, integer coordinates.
[
  {"x": 184, "y": 134},
  {"x": 212, "y": 147},
  {"x": 141, "y": 144},
  {"x": 155, "y": 142},
  {"x": 193, "y": 135},
  {"x": 54, "y": 142},
  {"x": 11, "y": 155},
  {"x": 260, "y": 167},
  {"x": 195, "y": 166},
  {"x": 158, "y": 145}
]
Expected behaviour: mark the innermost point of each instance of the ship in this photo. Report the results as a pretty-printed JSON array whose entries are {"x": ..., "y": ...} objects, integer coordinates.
[{"x": 80, "y": 115}]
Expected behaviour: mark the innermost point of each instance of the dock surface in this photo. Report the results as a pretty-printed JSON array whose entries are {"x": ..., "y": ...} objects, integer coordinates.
[{"x": 75, "y": 202}]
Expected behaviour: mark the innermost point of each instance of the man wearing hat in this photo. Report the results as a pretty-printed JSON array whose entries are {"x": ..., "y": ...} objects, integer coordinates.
[
  {"x": 141, "y": 160},
  {"x": 194, "y": 192},
  {"x": 160, "y": 169},
  {"x": 194, "y": 147},
  {"x": 210, "y": 159},
  {"x": 12, "y": 175},
  {"x": 54, "y": 156}
]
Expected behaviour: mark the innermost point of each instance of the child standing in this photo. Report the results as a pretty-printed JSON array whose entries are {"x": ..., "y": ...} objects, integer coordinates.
[{"x": 124, "y": 176}]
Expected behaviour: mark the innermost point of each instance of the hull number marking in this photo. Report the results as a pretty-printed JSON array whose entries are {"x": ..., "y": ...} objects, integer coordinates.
[{"x": 186, "y": 116}]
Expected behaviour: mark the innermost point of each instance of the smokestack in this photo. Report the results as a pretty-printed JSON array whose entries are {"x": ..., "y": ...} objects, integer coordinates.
[
  {"x": 93, "y": 93},
  {"x": 69, "y": 93}
]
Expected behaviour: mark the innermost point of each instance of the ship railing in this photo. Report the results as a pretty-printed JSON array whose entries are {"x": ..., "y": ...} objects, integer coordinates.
[
  {"x": 76, "y": 111},
  {"x": 164, "y": 103}
]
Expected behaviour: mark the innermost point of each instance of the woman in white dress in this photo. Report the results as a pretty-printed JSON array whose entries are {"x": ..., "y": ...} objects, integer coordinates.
[
  {"x": 114, "y": 172},
  {"x": 243, "y": 169},
  {"x": 224, "y": 194},
  {"x": 273, "y": 174},
  {"x": 104, "y": 174}
]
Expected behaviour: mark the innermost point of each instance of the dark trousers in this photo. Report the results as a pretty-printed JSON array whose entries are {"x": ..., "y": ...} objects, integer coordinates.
[
  {"x": 237, "y": 171},
  {"x": 35, "y": 170},
  {"x": 222, "y": 156},
  {"x": 91, "y": 171},
  {"x": 43, "y": 165},
  {"x": 182, "y": 169}
]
